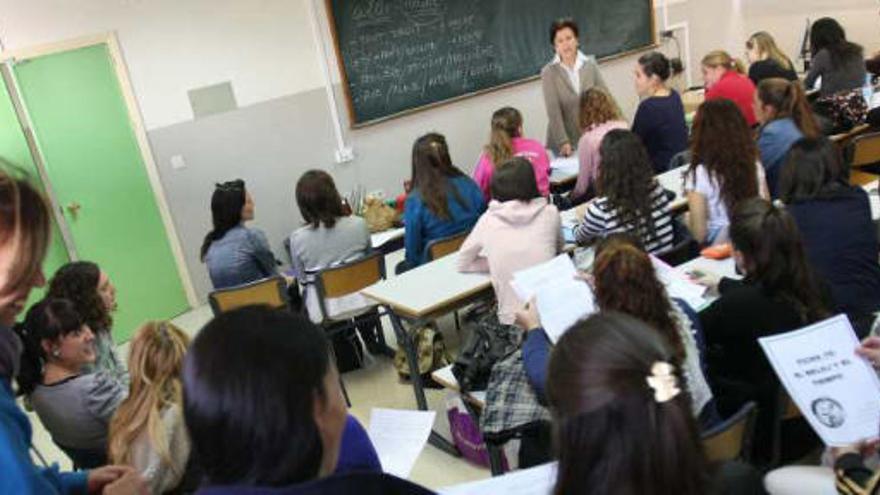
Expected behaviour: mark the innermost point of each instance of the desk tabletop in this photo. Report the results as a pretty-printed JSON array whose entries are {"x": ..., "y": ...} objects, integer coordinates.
[
  {"x": 673, "y": 180},
  {"x": 380, "y": 238},
  {"x": 559, "y": 177},
  {"x": 428, "y": 288}
]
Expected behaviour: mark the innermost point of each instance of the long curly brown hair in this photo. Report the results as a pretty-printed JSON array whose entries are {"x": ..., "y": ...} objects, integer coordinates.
[
  {"x": 723, "y": 144},
  {"x": 626, "y": 180},
  {"x": 626, "y": 282},
  {"x": 78, "y": 283},
  {"x": 597, "y": 107}
]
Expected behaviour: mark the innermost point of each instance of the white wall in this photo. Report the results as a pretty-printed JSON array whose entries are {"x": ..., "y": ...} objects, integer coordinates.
[{"x": 264, "y": 47}]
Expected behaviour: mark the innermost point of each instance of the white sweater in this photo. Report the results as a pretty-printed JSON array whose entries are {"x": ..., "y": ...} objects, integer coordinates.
[{"x": 161, "y": 478}]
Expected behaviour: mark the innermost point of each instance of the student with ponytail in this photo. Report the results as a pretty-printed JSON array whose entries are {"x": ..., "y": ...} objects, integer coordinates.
[
  {"x": 443, "y": 200},
  {"x": 785, "y": 116},
  {"x": 235, "y": 254},
  {"x": 506, "y": 141},
  {"x": 767, "y": 60},
  {"x": 778, "y": 293},
  {"x": 147, "y": 431},
  {"x": 659, "y": 120},
  {"x": 725, "y": 77}
]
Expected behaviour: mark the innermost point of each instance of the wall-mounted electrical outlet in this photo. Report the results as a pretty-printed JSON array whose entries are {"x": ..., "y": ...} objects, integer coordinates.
[{"x": 344, "y": 155}]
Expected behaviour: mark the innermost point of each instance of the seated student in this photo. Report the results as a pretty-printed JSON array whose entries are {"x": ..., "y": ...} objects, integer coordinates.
[
  {"x": 505, "y": 142},
  {"x": 840, "y": 66},
  {"x": 785, "y": 116},
  {"x": 599, "y": 114},
  {"x": 75, "y": 407},
  {"x": 287, "y": 445},
  {"x": 719, "y": 178},
  {"x": 24, "y": 238},
  {"x": 147, "y": 430},
  {"x": 623, "y": 421},
  {"x": 235, "y": 254},
  {"x": 659, "y": 120},
  {"x": 443, "y": 201},
  {"x": 94, "y": 297},
  {"x": 767, "y": 60},
  {"x": 517, "y": 212},
  {"x": 629, "y": 197},
  {"x": 624, "y": 280},
  {"x": 778, "y": 293},
  {"x": 839, "y": 235},
  {"x": 724, "y": 78}
]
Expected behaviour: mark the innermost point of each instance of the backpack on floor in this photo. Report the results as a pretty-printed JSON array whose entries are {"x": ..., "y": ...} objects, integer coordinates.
[
  {"x": 431, "y": 353},
  {"x": 349, "y": 350}
]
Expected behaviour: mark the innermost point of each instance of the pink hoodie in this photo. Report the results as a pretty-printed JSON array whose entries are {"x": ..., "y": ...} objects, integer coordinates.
[
  {"x": 510, "y": 237},
  {"x": 527, "y": 148}
]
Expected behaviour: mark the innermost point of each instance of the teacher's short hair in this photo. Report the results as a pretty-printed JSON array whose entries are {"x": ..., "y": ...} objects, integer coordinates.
[{"x": 560, "y": 24}]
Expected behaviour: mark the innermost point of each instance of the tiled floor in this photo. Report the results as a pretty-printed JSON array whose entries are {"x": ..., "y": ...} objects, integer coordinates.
[{"x": 376, "y": 385}]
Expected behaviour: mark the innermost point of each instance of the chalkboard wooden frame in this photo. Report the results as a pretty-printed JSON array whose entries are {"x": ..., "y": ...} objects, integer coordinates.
[{"x": 349, "y": 103}]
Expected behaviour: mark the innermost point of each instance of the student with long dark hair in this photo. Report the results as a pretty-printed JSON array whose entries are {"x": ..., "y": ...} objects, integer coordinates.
[
  {"x": 74, "y": 406},
  {"x": 724, "y": 170},
  {"x": 785, "y": 116},
  {"x": 630, "y": 199},
  {"x": 506, "y": 141},
  {"x": 624, "y": 280},
  {"x": 94, "y": 297},
  {"x": 778, "y": 293},
  {"x": 834, "y": 219},
  {"x": 838, "y": 62},
  {"x": 659, "y": 120},
  {"x": 443, "y": 200},
  {"x": 264, "y": 409},
  {"x": 622, "y": 414},
  {"x": 235, "y": 254}
]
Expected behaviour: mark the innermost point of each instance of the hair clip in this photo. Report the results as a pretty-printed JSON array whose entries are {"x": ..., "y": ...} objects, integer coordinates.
[{"x": 663, "y": 381}]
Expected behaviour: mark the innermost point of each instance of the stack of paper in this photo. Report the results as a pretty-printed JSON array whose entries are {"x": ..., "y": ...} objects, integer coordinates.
[
  {"x": 399, "y": 437},
  {"x": 562, "y": 299},
  {"x": 568, "y": 165},
  {"x": 678, "y": 285}
]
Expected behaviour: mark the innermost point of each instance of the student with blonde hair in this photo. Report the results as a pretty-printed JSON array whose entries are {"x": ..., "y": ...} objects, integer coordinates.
[
  {"x": 724, "y": 77},
  {"x": 767, "y": 60},
  {"x": 506, "y": 141},
  {"x": 147, "y": 432}
]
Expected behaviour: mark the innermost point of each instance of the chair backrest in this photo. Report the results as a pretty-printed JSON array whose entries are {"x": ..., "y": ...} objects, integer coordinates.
[
  {"x": 786, "y": 410},
  {"x": 439, "y": 248},
  {"x": 865, "y": 149},
  {"x": 270, "y": 291},
  {"x": 732, "y": 438},
  {"x": 287, "y": 256},
  {"x": 349, "y": 278}
]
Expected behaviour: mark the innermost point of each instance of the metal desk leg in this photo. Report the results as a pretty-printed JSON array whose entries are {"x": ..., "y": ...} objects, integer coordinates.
[{"x": 404, "y": 340}]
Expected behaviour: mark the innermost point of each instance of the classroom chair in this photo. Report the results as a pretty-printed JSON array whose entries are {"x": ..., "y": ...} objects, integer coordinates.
[
  {"x": 684, "y": 249},
  {"x": 862, "y": 154},
  {"x": 348, "y": 279},
  {"x": 445, "y": 246},
  {"x": 787, "y": 413},
  {"x": 732, "y": 438},
  {"x": 271, "y": 291},
  {"x": 439, "y": 248}
]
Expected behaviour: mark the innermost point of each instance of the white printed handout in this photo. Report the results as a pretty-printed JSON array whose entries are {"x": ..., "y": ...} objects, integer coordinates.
[
  {"x": 566, "y": 164},
  {"x": 679, "y": 285},
  {"x": 836, "y": 390},
  {"x": 399, "y": 437},
  {"x": 561, "y": 299},
  {"x": 538, "y": 480}
]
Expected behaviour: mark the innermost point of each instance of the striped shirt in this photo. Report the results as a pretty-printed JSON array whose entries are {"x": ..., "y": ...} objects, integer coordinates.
[{"x": 602, "y": 219}]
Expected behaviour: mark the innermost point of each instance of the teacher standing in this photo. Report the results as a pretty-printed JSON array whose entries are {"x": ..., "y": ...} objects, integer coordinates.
[{"x": 563, "y": 80}]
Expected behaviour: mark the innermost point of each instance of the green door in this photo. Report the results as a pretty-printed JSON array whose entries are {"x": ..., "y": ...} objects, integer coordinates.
[
  {"x": 94, "y": 164},
  {"x": 14, "y": 149}
]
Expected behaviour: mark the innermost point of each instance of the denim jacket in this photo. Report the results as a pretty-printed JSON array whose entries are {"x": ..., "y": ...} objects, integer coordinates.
[{"x": 241, "y": 256}]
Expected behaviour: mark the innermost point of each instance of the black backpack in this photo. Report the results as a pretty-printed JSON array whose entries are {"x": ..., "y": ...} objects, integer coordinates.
[{"x": 490, "y": 341}]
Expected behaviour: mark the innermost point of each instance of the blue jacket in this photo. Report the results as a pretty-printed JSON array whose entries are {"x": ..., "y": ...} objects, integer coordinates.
[
  {"x": 18, "y": 474},
  {"x": 774, "y": 142},
  {"x": 242, "y": 255},
  {"x": 422, "y": 226},
  {"x": 356, "y": 452}
]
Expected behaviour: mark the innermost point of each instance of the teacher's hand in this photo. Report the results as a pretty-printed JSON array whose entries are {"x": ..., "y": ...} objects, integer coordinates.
[{"x": 566, "y": 150}]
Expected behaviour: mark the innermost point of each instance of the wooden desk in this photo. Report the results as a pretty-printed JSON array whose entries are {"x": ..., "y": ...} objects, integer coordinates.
[
  {"x": 562, "y": 181},
  {"x": 673, "y": 180}
]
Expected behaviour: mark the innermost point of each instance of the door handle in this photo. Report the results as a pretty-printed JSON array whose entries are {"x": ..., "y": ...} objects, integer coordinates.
[{"x": 73, "y": 208}]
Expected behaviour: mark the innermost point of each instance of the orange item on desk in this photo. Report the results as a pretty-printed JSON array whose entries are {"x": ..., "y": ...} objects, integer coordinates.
[{"x": 719, "y": 252}]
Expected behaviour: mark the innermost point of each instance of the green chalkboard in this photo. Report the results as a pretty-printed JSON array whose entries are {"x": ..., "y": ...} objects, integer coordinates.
[{"x": 400, "y": 55}]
